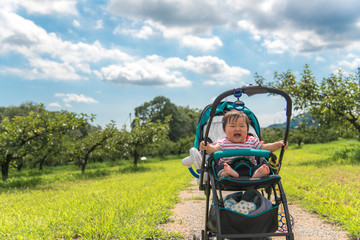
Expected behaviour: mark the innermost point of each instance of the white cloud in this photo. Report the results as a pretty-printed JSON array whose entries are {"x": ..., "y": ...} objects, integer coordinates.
[
  {"x": 200, "y": 15},
  {"x": 72, "y": 97},
  {"x": 158, "y": 71},
  {"x": 144, "y": 72},
  {"x": 192, "y": 20},
  {"x": 44, "y": 69},
  {"x": 217, "y": 69},
  {"x": 201, "y": 43},
  {"x": 66, "y": 61},
  {"x": 76, "y": 23},
  {"x": 73, "y": 61},
  {"x": 54, "y": 105},
  {"x": 298, "y": 27},
  {"x": 99, "y": 24},
  {"x": 67, "y": 7},
  {"x": 319, "y": 59},
  {"x": 47, "y": 69},
  {"x": 145, "y": 32},
  {"x": 351, "y": 62},
  {"x": 183, "y": 34},
  {"x": 275, "y": 46},
  {"x": 250, "y": 27}
]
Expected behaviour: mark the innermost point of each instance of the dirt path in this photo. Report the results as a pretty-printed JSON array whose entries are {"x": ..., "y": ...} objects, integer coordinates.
[{"x": 189, "y": 219}]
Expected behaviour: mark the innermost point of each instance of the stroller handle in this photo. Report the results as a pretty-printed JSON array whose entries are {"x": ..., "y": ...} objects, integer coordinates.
[
  {"x": 241, "y": 152},
  {"x": 251, "y": 90}
]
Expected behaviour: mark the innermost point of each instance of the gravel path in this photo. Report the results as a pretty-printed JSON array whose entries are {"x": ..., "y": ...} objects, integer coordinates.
[{"x": 189, "y": 217}]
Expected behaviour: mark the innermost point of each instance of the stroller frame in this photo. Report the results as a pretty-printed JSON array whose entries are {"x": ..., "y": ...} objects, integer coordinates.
[{"x": 210, "y": 184}]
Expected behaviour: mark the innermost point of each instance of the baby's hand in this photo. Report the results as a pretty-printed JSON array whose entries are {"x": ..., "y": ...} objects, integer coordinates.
[
  {"x": 208, "y": 148},
  {"x": 282, "y": 144},
  {"x": 202, "y": 146}
]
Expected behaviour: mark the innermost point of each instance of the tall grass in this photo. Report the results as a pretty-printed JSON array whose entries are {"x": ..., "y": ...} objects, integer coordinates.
[
  {"x": 324, "y": 178},
  {"x": 113, "y": 203}
]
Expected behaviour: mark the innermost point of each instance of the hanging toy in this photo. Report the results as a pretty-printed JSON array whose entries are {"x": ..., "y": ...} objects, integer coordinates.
[
  {"x": 238, "y": 105},
  {"x": 282, "y": 222},
  {"x": 282, "y": 226}
]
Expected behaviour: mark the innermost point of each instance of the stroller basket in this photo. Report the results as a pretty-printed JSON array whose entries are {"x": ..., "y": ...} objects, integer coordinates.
[
  {"x": 262, "y": 218},
  {"x": 235, "y": 223}
]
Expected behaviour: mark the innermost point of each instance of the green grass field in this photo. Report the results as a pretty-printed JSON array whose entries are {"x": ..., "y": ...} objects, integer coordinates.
[
  {"x": 126, "y": 203},
  {"x": 325, "y": 179},
  {"x": 118, "y": 201}
]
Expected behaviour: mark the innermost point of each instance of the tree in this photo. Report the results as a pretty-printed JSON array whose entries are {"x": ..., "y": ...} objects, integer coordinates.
[
  {"x": 183, "y": 145},
  {"x": 24, "y": 135},
  {"x": 272, "y": 134},
  {"x": 335, "y": 101},
  {"x": 22, "y": 110},
  {"x": 183, "y": 121},
  {"x": 81, "y": 149},
  {"x": 134, "y": 143}
]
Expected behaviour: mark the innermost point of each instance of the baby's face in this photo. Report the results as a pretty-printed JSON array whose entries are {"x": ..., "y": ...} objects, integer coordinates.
[{"x": 236, "y": 131}]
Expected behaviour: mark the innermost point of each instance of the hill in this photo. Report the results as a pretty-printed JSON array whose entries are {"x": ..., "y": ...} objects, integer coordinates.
[{"x": 295, "y": 121}]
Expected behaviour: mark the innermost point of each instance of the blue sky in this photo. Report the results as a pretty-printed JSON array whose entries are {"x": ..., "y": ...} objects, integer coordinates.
[{"x": 108, "y": 57}]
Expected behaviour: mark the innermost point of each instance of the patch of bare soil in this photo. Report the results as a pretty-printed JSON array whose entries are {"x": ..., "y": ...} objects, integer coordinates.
[{"x": 189, "y": 219}]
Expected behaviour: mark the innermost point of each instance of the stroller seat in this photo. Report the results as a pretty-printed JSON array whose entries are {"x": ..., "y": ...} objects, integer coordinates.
[{"x": 243, "y": 182}]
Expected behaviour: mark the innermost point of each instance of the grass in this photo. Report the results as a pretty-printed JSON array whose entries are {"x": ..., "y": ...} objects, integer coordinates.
[
  {"x": 326, "y": 181},
  {"x": 115, "y": 200},
  {"x": 117, "y": 203}
]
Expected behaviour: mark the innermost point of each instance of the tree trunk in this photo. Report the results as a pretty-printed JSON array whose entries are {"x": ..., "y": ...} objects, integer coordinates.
[
  {"x": 41, "y": 163},
  {"x": 85, "y": 162},
  {"x": 136, "y": 158},
  {"x": 19, "y": 167},
  {"x": 5, "y": 168}
]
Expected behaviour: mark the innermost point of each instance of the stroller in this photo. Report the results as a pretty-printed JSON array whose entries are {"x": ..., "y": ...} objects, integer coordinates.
[{"x": 266, "y": 193}]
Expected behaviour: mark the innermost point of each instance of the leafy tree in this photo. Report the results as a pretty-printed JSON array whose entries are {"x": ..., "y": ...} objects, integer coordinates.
[
  {"x": 81, "y": 149},
  {"x": 272, "y": 134},
  {"x": 183, "y": 145},
  {"x": 49, "y": 152},
  {"x": 259, "y": 79},
  {"x": 183, "y": 121},
  {"x": 27, "y": 134},
  {"x": 21, "y": 110},
  {"x": 140, "y": 137},
  {"x": 335, "y": 101}
]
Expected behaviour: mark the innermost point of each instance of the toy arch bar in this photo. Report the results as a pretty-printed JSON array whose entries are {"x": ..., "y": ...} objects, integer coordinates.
[{"x": 251, "y": 90}]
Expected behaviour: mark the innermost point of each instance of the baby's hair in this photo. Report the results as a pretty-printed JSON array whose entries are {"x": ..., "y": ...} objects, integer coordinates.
[{"x": 234, "y": 115}]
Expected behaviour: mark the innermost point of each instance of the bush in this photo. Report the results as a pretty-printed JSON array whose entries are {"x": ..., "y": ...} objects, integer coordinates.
[
  {"x": 350, "y": 154},
  {"x": 21, "y": 183}
]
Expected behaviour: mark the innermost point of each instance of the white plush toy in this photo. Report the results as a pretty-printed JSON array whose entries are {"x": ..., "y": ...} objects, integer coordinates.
[
  {"x": 243, "y": 207},
  {"x": 229, "y": 203},
  {"x": 194, "y": 158}
]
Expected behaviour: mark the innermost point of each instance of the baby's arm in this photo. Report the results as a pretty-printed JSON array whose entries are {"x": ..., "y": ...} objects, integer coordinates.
[
  {"x": 209, "y": 148},
  {"x": 272, "y": 147}
]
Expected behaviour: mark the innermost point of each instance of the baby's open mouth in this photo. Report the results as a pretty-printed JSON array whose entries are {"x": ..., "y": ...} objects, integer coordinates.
[{"x": 237, "y": 135}]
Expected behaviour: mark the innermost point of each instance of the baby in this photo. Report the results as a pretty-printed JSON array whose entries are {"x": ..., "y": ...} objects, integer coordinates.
[{"x": 236, "y": 126}]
